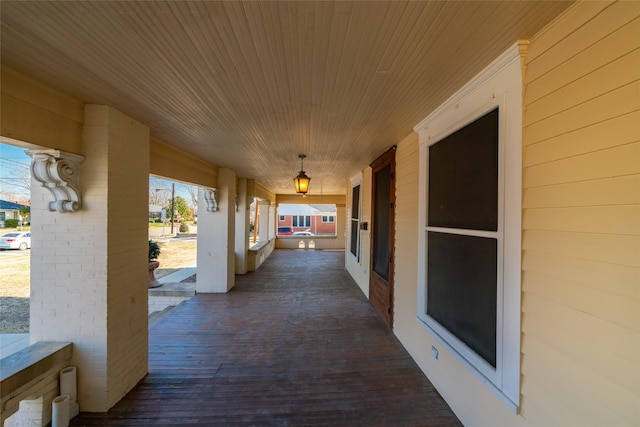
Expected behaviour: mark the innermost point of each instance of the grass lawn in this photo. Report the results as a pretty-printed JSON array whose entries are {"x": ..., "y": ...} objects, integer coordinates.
[
  {"x": 15, "y": 280},
  {"x": 14, "y": 293}
]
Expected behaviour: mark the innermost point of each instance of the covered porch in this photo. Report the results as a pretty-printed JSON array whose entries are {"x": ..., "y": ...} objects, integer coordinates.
[
  {"x": 294, "y": 343},
  {"x": 228, "y": 96}
]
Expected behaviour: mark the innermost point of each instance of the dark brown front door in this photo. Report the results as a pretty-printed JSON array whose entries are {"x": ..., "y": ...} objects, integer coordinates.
[{"x": 382, "y": 227}]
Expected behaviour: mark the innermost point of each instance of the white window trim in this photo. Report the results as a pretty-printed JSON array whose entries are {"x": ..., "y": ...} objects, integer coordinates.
[{"x": 500, "y": 84}]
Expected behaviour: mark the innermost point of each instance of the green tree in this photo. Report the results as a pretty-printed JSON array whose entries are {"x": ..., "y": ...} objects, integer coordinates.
[
  {"x": 181, "y": 205},
  {"x": 25, "y": 212}
]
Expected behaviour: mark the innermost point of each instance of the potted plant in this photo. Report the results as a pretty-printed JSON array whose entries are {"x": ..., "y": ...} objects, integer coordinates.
[{"x": 154, "y": 253}]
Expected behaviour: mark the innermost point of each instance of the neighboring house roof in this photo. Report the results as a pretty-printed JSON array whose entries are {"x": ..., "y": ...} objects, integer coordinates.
[
  {"x": 155, "y": 208},
  {"x": 10, "y": 206}
]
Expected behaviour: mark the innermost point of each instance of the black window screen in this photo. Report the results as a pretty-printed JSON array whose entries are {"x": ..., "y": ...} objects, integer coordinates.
[
  {"x": 463, "y": 177},
  {"x": 355, "y": 202},
  {"x": 462, "y": 265},
  {"x": 461, "y": 289},
  {"x": 382, "y": 217},
  {"x": 355, "y": 220}
]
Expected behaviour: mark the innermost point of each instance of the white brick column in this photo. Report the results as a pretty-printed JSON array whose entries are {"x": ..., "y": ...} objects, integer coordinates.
[
  {"x": 263, "y": 222},
  {"x": 89, "y": 268},
  {"x": 272, "y": 221},
  {"x": 242, "y": 227},
  {"x": 216, "y": 238}
]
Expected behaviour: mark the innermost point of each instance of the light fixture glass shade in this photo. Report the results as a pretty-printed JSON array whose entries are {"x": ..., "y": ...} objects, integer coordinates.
[{"x": 301, "y": 182}]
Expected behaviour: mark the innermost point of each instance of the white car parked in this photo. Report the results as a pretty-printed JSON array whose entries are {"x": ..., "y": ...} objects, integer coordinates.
[{"x": 16, "y": 240}]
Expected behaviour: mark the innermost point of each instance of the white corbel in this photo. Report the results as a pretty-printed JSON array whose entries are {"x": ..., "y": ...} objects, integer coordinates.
[
  {"x": 211, "y": 197},
  {"x": 58, "y": 172}
]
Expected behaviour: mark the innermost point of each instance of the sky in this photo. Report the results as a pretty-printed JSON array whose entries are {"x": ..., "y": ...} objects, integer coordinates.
[{"x": 15, "y": 172}]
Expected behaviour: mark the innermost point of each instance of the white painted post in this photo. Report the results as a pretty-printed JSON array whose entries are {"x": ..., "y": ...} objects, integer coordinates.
[
  {"x": 216, "y": 238},
  {"x": 272, "y": 221},
  {"x": 89, "y": 267},
  {"x": 263, "y": 226},
  {"x": 242, "y": 227}
]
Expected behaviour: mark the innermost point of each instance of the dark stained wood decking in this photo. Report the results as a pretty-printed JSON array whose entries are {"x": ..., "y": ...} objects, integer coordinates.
[{"x": 295, "y": 343}]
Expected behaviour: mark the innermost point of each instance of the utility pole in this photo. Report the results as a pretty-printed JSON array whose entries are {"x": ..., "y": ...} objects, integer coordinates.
[{"x": 173, "y": 199}]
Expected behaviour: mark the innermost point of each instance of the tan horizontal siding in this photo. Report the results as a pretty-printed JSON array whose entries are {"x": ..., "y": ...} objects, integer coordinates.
[
  {"x": 605, "y": 79},
  {"x": 608, "y": 106},
  {"x": 581, "y": 219},
  {"x": 597, "y": 247},
  {"x": 598, "y": 136},
  {"x": 536, "y": 407},
  {"x": 604, "y": 304},
  {"x": 568, "y": 40},
  {"x": 611, "y": 51},
  {"x": 607, "y": 277},
  {"x": 621, "y": 220},
  {"x": 616, "y": 161},
  {"x": 553, "y": 379},
  {"x": 621, "y": 190},
  {"x": 599, "y": 333}
]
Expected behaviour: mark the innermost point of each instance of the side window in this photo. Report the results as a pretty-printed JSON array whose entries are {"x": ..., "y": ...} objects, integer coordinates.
[
  {"x": 462, "y": 229},
  {"x": 469, "y": 241},
  {"x": 355, "y": 222}
]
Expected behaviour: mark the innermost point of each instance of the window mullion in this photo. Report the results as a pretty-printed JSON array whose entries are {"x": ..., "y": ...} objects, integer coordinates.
[{"x": 465, "y": 232}]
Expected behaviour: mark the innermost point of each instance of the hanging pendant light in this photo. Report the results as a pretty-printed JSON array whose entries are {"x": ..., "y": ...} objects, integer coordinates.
[{"x": 302, "y": 180}]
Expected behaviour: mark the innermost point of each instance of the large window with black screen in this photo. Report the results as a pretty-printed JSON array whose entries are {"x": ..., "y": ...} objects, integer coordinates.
[
  {"x": 470, "y": 222},
  {"x": 354, "y": 239},
  {"x": 463, "y": 235}
]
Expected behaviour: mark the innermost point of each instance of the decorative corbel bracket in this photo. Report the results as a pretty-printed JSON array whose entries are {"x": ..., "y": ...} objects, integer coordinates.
[
  {"x": 211, "y": 197},
  {"x": 58, "y": 172}
]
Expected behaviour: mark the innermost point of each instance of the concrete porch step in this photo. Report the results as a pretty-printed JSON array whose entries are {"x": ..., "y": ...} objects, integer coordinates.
[{"x": 178, "y": 276}]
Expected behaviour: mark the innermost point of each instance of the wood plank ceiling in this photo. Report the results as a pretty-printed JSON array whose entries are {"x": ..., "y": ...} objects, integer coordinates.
[{"x": 249, "y": 85}]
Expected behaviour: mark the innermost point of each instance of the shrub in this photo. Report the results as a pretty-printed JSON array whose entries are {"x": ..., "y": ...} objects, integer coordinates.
[
  {"x": 184, "y": 228},
  {"x": 10, "y": 223},
  {"x": 154, "y": 250}
]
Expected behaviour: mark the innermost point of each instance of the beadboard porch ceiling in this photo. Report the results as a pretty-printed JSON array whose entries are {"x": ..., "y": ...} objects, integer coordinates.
[{"x": 250, "y": 85}]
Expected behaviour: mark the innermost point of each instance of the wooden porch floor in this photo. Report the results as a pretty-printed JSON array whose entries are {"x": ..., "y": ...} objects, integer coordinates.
[{"x": 294, "y": 343}]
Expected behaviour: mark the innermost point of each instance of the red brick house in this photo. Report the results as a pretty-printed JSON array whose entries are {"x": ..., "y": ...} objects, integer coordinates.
[{"x": 316, "y": 219}]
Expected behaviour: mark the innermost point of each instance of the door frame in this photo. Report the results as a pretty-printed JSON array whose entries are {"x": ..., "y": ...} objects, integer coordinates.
[{"x": 388, "y": 158}]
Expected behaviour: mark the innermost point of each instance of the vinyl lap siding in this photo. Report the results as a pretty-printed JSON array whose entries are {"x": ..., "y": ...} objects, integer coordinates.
[{"x": 581, "y": 219}]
